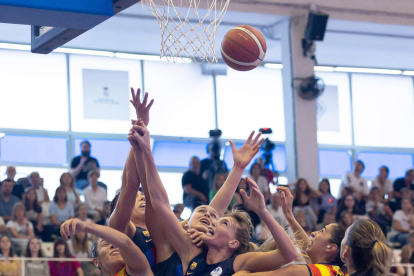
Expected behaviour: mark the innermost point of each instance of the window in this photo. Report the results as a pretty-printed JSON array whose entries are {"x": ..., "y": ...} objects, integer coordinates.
[
  {"x": 33, "y": 91},
  {"x": 251, "y": 100},
  {"x": 335, "y": 185},
  {"x": 177, "y": 154},
  {"x": 110, "y": 153},
  {"x": 113, "y": 180},
  {"x": 184, "y": 99},
  {"x": 397, "y": 163},
  {"x": 383, "y": 110},
  {"x": 172, "y": 184},
  {"x": 334, "y": 162},
  {"x": 34, "y": 150},
  {"x": 100, "y": 93},
  {"x": 334, "y": 110},
  {"x": 279, "y": 157}
]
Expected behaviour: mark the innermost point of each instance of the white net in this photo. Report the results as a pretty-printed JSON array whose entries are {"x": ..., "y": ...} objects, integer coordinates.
[{"x": 188, "y": 31}]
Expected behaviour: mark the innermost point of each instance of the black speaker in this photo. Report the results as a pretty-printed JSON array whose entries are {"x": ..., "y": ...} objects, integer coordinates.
[{"x": 315, "y": 30}]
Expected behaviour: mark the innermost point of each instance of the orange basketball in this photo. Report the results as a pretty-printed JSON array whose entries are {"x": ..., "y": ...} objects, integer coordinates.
[{"x": 243, "y": 48}]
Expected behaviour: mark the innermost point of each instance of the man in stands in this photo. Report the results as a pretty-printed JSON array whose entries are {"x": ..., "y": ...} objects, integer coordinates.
[
  {"x": 354, "y": 181},
  {"x": 7, "y": 200},
  {"x": 95, "y": 197},
  {"x": 36, "y": 182},
  {"x": 195, "y": 187},
  {"x": 403, "y": 182},
  {"x": 82, "y": 165},
  {"x": 18, "y": 189}
]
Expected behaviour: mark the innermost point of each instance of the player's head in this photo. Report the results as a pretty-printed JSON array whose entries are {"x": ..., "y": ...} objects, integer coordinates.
[
  {"x": 138, "y": 214},
  {"x": 325, "y": 244},
  {"x": 202, "y": 217},
  {"x": 106, "y": 257},
  {"x": 363, "y": 248},
  {"x": 231, "y": 233}
]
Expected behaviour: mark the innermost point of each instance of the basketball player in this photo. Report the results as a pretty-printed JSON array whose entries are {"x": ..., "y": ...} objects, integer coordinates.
[
  {"x": 113, "y": 252},
  {"x": 129, "y": 216},
  {"x": 233, "y": 231}
]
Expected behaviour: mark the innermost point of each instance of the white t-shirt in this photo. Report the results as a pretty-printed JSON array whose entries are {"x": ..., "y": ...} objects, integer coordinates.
[
  {"x": 95, "y": 199},
  {"x": 278, "y": 215},
  {"x": 21, "y": 229},
  {"x": 360, "y": 184},
  {"x": 262, "y": 183},
  {"x": 388, "y": 185},
  {"x": 80, "y": 254},
  {"x": 403, "y": 219}
]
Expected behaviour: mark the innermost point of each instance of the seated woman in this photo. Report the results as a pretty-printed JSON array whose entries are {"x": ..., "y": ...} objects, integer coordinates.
[
  {"x": 402, "y": 223},
  {"x": 113, "y": 252},
  {"x": 34, "y": 211},
  {"x": 35, "y": 267},
  {"x": 348, "y": 203},
  {"x": 326, "y": 203},
  {"x": 8, "y": 267},
  {"x": 20, "y": 228},
  {"x": 242, "y": 186},
  {"x": 64, "y": 268},
  {"x": 218, "y": 182},
  {"x": 80, "y": 246},
  {"x": 345, "y": 219},
  {"x": 60, "y": 209},
  {"x": 67, "y": 181},
  {"x": 303, "y": 193}
]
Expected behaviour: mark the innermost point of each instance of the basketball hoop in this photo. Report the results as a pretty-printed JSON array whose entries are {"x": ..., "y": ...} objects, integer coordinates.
[{"x": 185, "y": 33}]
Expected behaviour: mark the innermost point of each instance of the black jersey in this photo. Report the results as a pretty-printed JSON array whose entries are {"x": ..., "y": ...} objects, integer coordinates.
[
  {"x": 143, "y": 240},
  {"x": 199, "y": 267},
  {"x": 170, "y": 267}
]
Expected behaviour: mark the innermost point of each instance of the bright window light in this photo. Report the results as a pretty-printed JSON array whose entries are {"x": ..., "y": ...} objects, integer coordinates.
[
  {"x": 408, "y": 73},
  {"x": 273, "y": 65},
  {"x": 368, "y": 70},
  {"x": 323, "y": 68},
  {"x": 11, "y": 46},
  {"x": 84, "y": 52},
  {"x": 150, "y": 57}
]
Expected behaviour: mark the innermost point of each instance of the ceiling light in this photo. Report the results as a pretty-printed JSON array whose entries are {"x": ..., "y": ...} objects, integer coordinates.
[
  {"x": 273, "y": 65},
  {"x": 368, "y": 70},
  {"x": 323, "y": 68},
  {"x": 14, "y": 46}
]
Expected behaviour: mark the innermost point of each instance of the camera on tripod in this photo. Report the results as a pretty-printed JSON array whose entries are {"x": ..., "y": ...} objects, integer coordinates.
[{"x": 214, "y": 146}]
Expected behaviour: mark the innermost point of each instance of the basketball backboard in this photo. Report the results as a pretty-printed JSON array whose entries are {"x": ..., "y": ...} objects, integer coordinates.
[{"x": 54, "y": 23}]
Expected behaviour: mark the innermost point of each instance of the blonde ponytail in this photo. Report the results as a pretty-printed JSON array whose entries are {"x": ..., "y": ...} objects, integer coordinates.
[{"x": 381, "y": 258}]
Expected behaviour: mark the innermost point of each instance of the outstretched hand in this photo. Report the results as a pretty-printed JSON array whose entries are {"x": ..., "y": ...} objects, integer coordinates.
[
  {"x": 287, "y": 200},
  {"x": 140, "y": 134},
  {"x": 142, "y": 109},
  {"x": 255, "y": 201},
  {"x": 72, "y": 227},
  {"x": 245, "y": 154}
]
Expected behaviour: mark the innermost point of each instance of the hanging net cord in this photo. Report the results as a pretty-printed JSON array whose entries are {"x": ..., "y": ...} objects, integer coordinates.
[{"x": 184, "y": 32}]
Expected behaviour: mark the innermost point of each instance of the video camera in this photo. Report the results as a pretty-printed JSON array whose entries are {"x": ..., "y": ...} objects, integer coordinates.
[{"x": 214, "y": 146}]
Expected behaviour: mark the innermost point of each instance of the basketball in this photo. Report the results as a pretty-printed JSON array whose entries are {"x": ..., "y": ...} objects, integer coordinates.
[{"x": 243, "y": 48}]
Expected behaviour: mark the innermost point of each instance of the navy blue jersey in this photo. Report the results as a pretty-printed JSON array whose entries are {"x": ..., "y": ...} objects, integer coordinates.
[
  {"x": 199, "y": 267},
  {"x": 170, "y": 267},
  {"x": 143, "y": 240}
]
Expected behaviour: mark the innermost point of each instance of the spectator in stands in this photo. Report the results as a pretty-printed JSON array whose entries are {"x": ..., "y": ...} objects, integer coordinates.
[
  {"x": 218, "y": 182},
  {"x": 194, "y": 185},
  {"x": 7, "y": 200},
  {"x": 383, "y": 183},
  {"x": 348, "y": 204},
  {"x": 34, "y": 211},
  {"x": 328, "y": 218},
  {"x": 275, "y": 209},
  {"x": 178, "y": 210},
  {"x": 61, "y": 250},
  {"x": 95, "y": 196},
  {"x": 326, "y": 203},
  {"x": 67, "y": 181},
  {"x": 407, "y": 251},
  {"x": 82, "y": 214},
  {"x": 303, "y": 193},
  {"x": 8, "y": 267},
  {"x": 402, "y": 223},
  {"x": 212, "y": 165},
  {"x": 80, "y": 246},
  {"x": 268, "y": 174},
  {"x": 242, "y": 186},
  {"x": 107, "y": 214},
  {"x": 300, "y": 218},
  {"x": 256, "y": 175},
  {"x": 60, "y": 209},
  {"x": 36, "y": 183},
  {"x": 3, "y": 228},
  {"x": 345, "y": 218},
  {"x": 80, "y": 166},
  {"x": 405, "y": 182},
  {"x": 262, "y": 232},
  {"x": 20, "y": 228},
  {"x": 375, "y": 209},
  {"x": 35, "y": 267},
  {"x": 354, "y": 181},
  {"x": 18, "y": 189}
]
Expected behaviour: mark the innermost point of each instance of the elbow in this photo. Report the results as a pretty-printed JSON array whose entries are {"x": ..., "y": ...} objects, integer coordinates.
[{"x": 291, "y": 256}]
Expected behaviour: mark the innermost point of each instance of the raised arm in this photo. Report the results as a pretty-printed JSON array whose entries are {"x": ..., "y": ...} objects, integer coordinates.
[
  {"x": 242, "y": 158},
  {"x": 258, "y": 261},
  {"x": 120, "y": 218},
  {"x": 287, "y": 201},
  {"x": 136, "y": 262}
]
